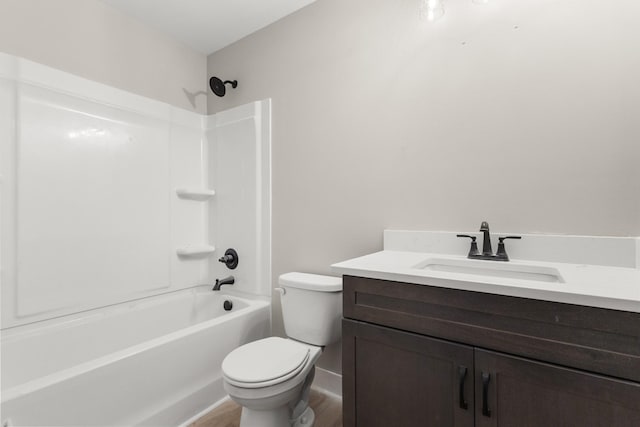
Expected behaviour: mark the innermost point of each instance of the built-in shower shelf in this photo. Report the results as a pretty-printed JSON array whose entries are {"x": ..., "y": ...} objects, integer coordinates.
[
  {"x": 193, "y": 251},
  {"x": 195, "y": 193}
]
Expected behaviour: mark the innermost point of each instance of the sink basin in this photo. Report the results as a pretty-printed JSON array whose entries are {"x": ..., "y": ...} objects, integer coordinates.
[{"x": 508, "y": 270}]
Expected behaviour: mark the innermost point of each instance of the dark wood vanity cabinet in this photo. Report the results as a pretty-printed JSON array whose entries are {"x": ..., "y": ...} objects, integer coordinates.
[
  {"x": 526, "y": 393},
  {"x": 399, "y": 377},
  {"x": 421, "y": 355}
]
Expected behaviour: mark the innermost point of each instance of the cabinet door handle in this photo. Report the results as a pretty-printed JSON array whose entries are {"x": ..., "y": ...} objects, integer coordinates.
[
  {"x": 486, "y": 377},
  {"x": 462, "y": 375}
]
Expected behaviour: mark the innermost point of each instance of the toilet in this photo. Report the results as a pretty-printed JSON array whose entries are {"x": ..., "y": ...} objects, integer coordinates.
[{"x": 271, "y": 378}]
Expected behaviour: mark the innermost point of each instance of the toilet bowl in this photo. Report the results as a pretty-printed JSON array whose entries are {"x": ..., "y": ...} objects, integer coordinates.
[{"x": 271, "y": 378}]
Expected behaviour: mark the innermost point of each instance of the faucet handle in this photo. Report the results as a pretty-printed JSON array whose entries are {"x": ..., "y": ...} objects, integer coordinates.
[
  {"x": 230, "y": 258},
  {"x": 474, "y": 246},
  {"x": 502, "y": 252},
  {"x": 473, "y": 238}
]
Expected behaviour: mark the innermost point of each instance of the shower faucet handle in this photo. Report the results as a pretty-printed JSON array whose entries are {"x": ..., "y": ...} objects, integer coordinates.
[{"x": 230, "y": 258}]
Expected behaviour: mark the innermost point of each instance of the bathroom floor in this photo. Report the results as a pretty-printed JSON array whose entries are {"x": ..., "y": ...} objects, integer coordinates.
[{"x": 328, "y": 410}]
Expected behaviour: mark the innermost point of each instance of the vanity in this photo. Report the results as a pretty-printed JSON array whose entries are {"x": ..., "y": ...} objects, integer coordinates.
[{"x": 435, "y": 339}]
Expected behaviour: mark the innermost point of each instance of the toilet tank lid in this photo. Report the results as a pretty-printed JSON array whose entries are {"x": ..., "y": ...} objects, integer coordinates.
[{"x": 311, "y": 282}]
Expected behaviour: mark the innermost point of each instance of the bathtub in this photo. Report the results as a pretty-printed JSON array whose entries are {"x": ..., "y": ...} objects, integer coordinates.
[{"x": 154, "y": 361}]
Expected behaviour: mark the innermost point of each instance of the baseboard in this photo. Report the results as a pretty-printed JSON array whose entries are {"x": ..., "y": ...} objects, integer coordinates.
[{"x": 328, "y": 382}]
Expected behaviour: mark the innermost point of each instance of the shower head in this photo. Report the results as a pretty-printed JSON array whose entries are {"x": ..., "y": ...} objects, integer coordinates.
[{"x": 217, "y": 85}]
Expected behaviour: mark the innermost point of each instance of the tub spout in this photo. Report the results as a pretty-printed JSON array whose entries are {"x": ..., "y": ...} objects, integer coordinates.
[{"x": 226, "y": 281}]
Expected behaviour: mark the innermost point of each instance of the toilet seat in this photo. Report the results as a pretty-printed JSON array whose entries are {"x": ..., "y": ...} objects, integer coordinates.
[{"x": 265, "y": 362}]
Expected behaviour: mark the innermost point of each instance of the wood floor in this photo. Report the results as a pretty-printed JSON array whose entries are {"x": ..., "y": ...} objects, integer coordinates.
[{"x": 328, "y": 412}]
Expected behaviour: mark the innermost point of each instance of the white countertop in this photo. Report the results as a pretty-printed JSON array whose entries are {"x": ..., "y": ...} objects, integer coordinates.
[{"x": 615, "y": 288}]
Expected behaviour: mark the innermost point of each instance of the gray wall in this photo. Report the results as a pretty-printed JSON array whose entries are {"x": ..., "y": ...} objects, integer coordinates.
[
  {"x": 522, "y": 113},
  {"x": 95, "y": 41}
]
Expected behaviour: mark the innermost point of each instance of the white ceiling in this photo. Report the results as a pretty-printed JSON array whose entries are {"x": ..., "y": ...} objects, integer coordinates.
[{"x": 208, "y": 25}]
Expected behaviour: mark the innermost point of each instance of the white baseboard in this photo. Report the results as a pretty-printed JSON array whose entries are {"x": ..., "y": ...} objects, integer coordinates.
[{"x": 328, "y": 382}]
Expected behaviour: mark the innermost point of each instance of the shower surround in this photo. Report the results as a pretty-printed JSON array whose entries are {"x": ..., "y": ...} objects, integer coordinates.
[{"x": 110, "y": 200}]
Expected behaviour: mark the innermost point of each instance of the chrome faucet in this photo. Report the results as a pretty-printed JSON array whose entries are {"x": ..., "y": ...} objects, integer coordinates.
[
  {"x": 487, "y": 251},
  {"x": 226, "y": 281}
]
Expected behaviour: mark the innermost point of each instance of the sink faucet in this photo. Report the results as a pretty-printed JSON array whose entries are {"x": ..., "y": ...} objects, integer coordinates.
[
  {"x": 487, "y": 251},
  {"x": 486, "y": 242},
  {"x": 226, "y": 281}
]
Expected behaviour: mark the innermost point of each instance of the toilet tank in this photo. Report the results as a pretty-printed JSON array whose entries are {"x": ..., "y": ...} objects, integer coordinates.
[{"x": 311, "y": 307}]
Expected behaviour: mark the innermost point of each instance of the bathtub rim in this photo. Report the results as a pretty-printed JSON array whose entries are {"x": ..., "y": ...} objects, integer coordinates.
[{"x": 107, "y": 309}]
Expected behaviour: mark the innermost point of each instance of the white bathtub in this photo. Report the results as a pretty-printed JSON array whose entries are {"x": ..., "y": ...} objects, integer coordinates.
[{"x": 154, "y": 361}]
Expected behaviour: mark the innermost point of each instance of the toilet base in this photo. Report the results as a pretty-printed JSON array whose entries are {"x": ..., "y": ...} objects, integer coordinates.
[
  {"x": 284, "y": 415},
  {"x": 277, "y": 417},
  {"x": 307, "y": 418}
]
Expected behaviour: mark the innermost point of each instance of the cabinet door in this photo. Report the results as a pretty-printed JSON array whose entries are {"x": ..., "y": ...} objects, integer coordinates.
[
  {"x": 511, "y": 391},
  {"x": 394, "y": 378}
]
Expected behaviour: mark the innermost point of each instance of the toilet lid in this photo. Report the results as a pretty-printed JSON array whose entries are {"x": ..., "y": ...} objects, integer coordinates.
[{"x": 264, "y": 361}]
